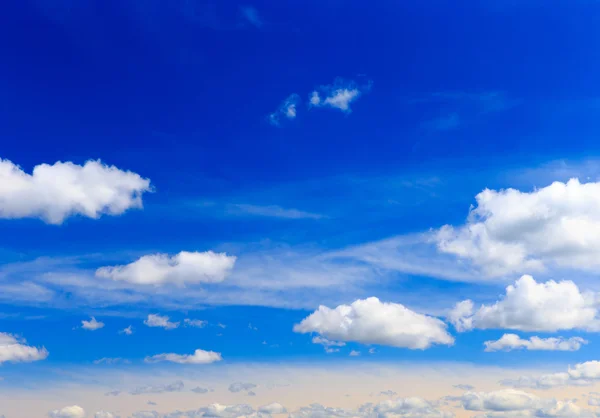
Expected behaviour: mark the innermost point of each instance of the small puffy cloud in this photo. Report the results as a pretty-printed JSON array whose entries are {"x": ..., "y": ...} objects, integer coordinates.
[
  {"x": 92, "y": 324},
  {"x": 55, "y": 192},
  {"x": 226, "y": 411},
  {"x": 509, "y": 342},
  {"x": 287, "y": 109},
  {"x": 15, "y": 350},
  {"x": 180, "y": 269},
  {"x": 74, "y": 411},
  {"x": 240, "y": 387},
  {"x": 172, "y": 387},
  {"x": 127, "y": 331},
  {"x": 509, "y": 231},
  {"x": 338, "y": 95},
  {"x": 199, "y": 357},
  {"x": 158, "y": 321},
  {"x": 272, "y": 408},
  {"x": 407, "y": 407},
  {"x": 195, "y": 323},
  {"x": 531, "y": 306},
  {"x": 354, "y": 353},
  {"x": 370, "y": 321}
]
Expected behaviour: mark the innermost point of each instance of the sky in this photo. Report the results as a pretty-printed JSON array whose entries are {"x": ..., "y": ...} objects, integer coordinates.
[{"x": 303, "y": 209}]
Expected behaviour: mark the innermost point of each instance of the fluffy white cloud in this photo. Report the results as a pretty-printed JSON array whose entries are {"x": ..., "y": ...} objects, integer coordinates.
[
  {"x": 15, "y": 350},
  {"x": 338, "y": 95},
  {"x": 510, "y": 231},
  {"x": 272, "y": 408},
  {"x": 55, "y": 192},
  {"x": 513, "y": 403},
  {"x": 408, "y": 407},
  {"x": 182, "y": 268},
  {"x": 199, "y": 357},
  {"x": 531, "y": 306},
  {"x": 510, "y": 342},
  {"x": 370, "y": 321},
  {"x": 158, "y": 321},
  {"x": 92, "y": 324},
  {"x": 74, "y": 411}
]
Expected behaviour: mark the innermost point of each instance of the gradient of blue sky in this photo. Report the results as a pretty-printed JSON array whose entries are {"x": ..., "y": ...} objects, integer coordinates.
[{"x": 455, "y": 97}]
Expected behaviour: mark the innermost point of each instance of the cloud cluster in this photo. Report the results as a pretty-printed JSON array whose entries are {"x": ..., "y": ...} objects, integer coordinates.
[
  {"x": 370, "y": 321},
  {"x": 180, "y": 269},
  {"x": 172, "y": 387},
  {"x": 241, "y": 387},
  {"x": 338, "y": 95},
  {"x": 74, "y": 411},
  {"x": 582, "y": 374},
  {"x": 55, "y": 192},
  {"x": 15, "y": 350},
  {"x": 159, "y": 321},
  {"x": 328, "y": 345},
  {"x": 531, "y": 306},
  {"x": 509, "y": 342},
  {"x": 510, "y": 231},
  {"x": 198, "y": 357}
]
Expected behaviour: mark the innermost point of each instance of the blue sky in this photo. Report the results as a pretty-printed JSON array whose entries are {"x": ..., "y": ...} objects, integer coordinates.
[{"x": 243, "y": 164}]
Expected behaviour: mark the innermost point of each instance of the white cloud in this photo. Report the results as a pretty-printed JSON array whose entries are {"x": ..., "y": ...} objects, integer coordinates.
[
  {"x": 127, "y": 331},
  {"x": 111, "y": 360},
  {"x": 287, "y": 109},
  {"x": 182, "y": 268},
  {"x": 105, "y": 414},
  {"x": 196, "y": 323},
  {"x": 509, "y": 342},
  {"x": 338, "y": 95},
  {"x": 531, "y": 306},
  {"x": 370, "y": 321},
  {"x": 272, "y": 408},
  {"x": 74, "y": 411},
  {"x": 510, "y": 231},
  {"x": 15, "y": 350},
  {"x": 354, "y": 353},
  {"x": 511, "y": 403},
  {"x": 199, "y": 357},
  {"x": 92, "y": 324},
  {"x": 582, "y": 374},
  {"x": 408, "y": 407},
  {"x": 328, "y": 345},
  {"x": 158, "y": 321},
  {"x": 56, "y": 192}
]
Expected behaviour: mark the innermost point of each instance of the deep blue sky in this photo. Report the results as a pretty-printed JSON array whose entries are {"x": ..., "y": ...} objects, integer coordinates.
[{"x": 465, "y": 95}]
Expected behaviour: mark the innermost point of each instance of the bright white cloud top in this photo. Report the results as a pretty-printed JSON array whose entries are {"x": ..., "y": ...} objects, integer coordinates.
[
  {"x": 14, "y": 350},
  {"x": 180, "y": 269},
  {"x": 509, "y": 342},
  {"x": 198, "y": 357},
  {"x": 338, "y": 95},
  {"x": 74, "y": 411},
  {"x": 56, "y": 192},
  {"x": 370, "y": 321},
  {"x": 531, "y": 306},
  {"x": 510, "y": 231}
]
